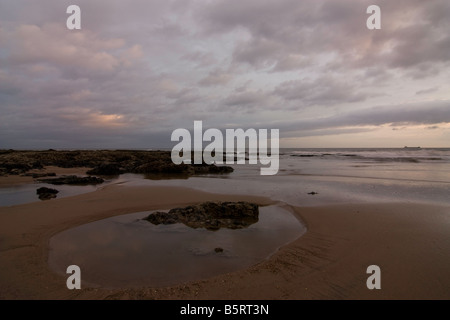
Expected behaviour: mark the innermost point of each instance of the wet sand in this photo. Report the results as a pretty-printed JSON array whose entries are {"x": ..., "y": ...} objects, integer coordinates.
[{"x": 410, "y": 243}]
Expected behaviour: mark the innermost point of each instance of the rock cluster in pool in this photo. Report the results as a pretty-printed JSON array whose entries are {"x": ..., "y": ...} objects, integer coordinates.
[{"x": 210, "y": 215}]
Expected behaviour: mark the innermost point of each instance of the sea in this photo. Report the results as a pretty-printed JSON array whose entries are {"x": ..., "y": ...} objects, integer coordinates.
[{"x": 307, "y": 177}]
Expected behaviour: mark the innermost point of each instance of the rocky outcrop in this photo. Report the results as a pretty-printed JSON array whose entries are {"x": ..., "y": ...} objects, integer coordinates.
[
  {"x": 103, "y": 162},
  {"x": 210, "y": 215},
  {"x": 73, "y": 180},
  {"x": 46, "y": 193}
]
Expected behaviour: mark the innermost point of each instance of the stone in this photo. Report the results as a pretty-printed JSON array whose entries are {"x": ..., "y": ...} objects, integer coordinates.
[
  {"x": 107, "y": 169},
  {"x": 73, "y": 180},
  {"x": 46, "y": 193},
  {"x": 210, "y": 215}
]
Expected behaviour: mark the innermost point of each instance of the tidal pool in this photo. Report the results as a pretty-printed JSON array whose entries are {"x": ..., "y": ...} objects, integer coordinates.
[{"x": 126, "y": 251}]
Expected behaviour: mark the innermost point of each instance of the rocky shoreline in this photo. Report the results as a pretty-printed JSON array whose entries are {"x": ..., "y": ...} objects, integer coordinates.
[{"x": 102, "y": 162}]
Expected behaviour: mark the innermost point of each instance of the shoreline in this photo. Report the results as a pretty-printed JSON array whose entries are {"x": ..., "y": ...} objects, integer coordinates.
[{"x": 410, "y": 243}]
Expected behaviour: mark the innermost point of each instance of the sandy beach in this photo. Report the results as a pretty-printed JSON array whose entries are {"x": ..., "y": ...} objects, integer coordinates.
[
  {"x": 408, "y": 241},
  {"x": 197, "y": 150}
]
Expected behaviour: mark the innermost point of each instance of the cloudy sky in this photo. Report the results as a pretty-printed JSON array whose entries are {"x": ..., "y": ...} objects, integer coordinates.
[{"x": 140, "y": 69}]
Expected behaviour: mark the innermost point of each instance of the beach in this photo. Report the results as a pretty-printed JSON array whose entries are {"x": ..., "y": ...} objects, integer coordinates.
[
  {"x": 408, "y": 241},
  {"x": 197, "y": 150}
]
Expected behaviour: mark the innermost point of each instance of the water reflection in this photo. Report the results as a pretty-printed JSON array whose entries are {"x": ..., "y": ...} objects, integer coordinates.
[{"x": 126, "y": 251}]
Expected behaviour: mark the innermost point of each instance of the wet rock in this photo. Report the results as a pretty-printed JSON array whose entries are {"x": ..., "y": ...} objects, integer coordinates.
[
  {"x": 73, "y": 180},
  {"x": 103, "y": 162},
  {"x": 210, "y": 215},
  {"x": 40, "y": 175},
  {"x": 303, "y": 155},
  {"x": 204, "y": 168},
  {"x": 107, "y": 169},
  {"x": 218, "y": 250},
  {"x": 15, "y": 172},
  {"x": 46, "y": 193},
  {"x": 313, "y": 193},
  {"x": 162, "y": 218},
  {"x": 37, "y": 165}
]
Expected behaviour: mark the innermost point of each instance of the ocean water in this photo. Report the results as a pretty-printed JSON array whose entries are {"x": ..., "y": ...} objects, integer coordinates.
[{"x": 336, "y": 175}]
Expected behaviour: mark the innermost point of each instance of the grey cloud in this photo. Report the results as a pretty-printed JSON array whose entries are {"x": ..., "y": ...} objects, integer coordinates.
[
  {"x": 322, "y": 91},
  {"x": 431, "y": 113},
  {"x": 279, "y": 29},
  {"x": 215, "y": 78},
  {"x": 202, "y": 59},
  {"x": 139, "y": 68},
  {"x": 247, "y": 99},
  {"x": 425, "y": 91}
]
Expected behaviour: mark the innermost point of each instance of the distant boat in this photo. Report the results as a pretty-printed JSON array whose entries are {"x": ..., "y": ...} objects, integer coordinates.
[{"x": 413, "y": 148}]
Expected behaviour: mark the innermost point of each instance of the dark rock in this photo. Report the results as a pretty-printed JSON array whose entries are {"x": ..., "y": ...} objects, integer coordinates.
[
  {"x": 303, "y": 155},
  {"x": 15, "y": 167},
  {"x": 204, "y": 168},
  {"x": 210, "y": 215},
  {"x": 73, "y": 180},
  {"x": 162, "y": 218},
  {"x": 46, "y": 190},
  {"x": 37, "y": 165},
  {"x": 107, "y": 169},
  {"x": 103, "y": 162},
  {"x": 313, "y": 193},
  {"x": 40, "y": 175},
  {"x": 46, "y": 193},
  {"x": 218, "y": 250}
]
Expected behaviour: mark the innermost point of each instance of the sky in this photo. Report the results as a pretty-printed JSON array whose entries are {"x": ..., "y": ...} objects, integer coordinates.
[{"x": 139, "y": 69}]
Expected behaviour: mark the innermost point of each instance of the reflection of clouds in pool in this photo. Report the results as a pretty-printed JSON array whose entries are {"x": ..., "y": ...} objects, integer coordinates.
[{"x": 126, "y": 251}]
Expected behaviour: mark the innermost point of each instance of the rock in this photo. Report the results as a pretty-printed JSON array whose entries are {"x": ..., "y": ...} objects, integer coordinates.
[
  {"x": 218, "y": 250},
  {"x": 210, "y": 215},
  {"x": 303, "y": 155},
  {"x": 162, "y": 218},
  {"x": 40, "y": 175},
  {"x": 73, "y": 180},
  {"x": 13, "y": 167},
  {"x": 107, "y": 169},
  {"x": 103, "y": 162},
  {"x": 15, "y": 172},
  {"x": 204, "y": 168},
  {"x": 46, "y": 190},
  {"x": 37, "y": 165},
  {"x": 313, "y": 193},
  {"x": 46, "y": 193}
]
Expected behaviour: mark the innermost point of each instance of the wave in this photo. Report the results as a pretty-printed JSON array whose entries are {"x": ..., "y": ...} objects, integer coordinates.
[{"x": 375, "y": 155}]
